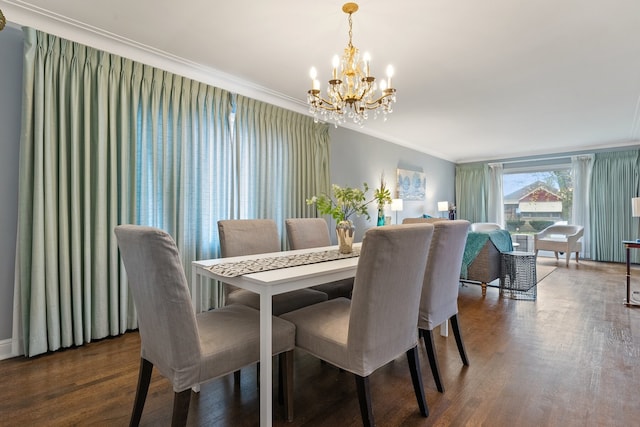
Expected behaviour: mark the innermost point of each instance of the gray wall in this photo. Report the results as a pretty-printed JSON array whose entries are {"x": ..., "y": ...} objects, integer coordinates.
[
  {"x": 10, "y": 105},
  {"x": 358, "y": 158}
]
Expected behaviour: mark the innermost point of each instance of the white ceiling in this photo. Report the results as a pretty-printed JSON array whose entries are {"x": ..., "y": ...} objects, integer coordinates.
[{"x": 476, "y": 80}]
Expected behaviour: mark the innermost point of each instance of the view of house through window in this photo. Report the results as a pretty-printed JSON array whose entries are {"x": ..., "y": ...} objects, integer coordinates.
[{"x": 534, "y": 200}]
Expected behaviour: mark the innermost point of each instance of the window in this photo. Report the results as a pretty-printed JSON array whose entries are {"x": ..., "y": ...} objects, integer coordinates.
[{"x": 536, "y": 198}]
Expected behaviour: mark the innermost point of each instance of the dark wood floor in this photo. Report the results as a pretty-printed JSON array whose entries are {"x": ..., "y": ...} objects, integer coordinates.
[{"x": 571, "y": 358}]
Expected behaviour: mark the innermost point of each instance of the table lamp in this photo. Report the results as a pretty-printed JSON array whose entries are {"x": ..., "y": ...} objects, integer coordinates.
[
  {"x": 635, "y": 209},
  {"x": 396, "y": 205},
  {"x": 443, "y": 207}
]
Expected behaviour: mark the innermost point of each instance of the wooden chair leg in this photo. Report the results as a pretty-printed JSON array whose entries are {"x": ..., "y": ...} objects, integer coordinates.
[
  {"x": 416, "y": 379},
  {"x": 236, "y": 377},
  {"x": 144, "y": 379},
  {"x": 484, "y": 289},
  {"x": 281, "y": 368},
  {"x": 364, "y": 397},
  {"x": 456, "y": 333},
  {"x": 429, "y": 345},
  {"x": 181, "y": 400},
  {"x": 286, "y": 383}
]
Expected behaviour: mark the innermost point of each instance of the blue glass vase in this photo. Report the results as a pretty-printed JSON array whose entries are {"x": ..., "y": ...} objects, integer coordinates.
[{"x": 380, "y": 217}]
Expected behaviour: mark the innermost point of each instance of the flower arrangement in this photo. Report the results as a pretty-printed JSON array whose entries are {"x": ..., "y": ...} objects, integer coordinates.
[
  {"x": 346, "y": 201},
  {"x": 343, "y": 202}
]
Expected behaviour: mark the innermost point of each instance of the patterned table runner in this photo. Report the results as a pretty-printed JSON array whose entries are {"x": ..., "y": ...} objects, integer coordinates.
[{"x": 239, "y": 268}]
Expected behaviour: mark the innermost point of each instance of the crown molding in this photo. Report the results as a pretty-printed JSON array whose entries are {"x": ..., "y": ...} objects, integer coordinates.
[{"x": 26, "y": 15}]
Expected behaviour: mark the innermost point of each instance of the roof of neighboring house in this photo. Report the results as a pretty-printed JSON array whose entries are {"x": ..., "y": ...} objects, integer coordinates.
[{"x": 526, "y": 194}]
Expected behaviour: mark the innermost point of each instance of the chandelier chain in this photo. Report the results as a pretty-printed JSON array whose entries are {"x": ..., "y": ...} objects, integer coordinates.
[{"x": 350, "y": 31}]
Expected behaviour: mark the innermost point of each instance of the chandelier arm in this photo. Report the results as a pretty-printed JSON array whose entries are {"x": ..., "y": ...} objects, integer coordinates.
[
  {"x": 318, "y": 102},
  {"x": 382, "y": 100}
]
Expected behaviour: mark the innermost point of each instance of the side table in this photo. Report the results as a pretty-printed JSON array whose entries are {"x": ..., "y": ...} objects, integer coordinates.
[
  {"x": 628, "y": 245},
  {"x": 518, "y": 276}
]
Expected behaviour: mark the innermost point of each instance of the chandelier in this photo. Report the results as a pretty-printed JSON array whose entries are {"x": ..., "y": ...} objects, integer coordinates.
[{"x": 352, "y": 90}]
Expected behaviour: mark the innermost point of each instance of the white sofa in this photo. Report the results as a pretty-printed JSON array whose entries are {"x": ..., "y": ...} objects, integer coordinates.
[{"x": 560, "y": 238}]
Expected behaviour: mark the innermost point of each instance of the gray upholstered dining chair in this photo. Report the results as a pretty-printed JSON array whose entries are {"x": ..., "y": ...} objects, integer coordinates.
[
  {"x": 379, "y": 323},
  {"x": 258, "y": 236},
  {"x": 303, "y": 233},
  {"x": 189, "y": 349},
  {"x": 439, "y": 299}
]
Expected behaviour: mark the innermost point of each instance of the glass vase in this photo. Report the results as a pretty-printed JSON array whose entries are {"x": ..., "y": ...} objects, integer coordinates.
[{"x": 380, "y": 216}]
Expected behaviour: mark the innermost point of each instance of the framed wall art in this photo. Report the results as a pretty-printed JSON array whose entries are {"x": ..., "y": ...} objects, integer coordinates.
[{"x": 411, "y": 185}]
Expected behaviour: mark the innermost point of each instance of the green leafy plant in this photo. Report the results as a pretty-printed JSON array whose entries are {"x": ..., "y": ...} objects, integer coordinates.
[{"x": 342, "y": 203}]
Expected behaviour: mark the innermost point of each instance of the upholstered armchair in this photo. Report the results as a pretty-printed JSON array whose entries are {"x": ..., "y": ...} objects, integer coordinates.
[
  {"x": 560, "y": 238},
  {"x": 189, "y": 349},
  {"x": 485, "y": 226}
]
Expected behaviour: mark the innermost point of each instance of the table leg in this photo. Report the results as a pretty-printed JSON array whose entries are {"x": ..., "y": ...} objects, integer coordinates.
[
  {"x": 444, "y": 329},
  {"x": 196, "y": 290},
  {"x": 266, "y": 363},
  {"x": 628, "y": 277}
]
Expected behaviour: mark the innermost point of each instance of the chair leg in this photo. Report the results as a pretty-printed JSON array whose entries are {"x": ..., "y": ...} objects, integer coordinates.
[
  {"x": 456, "y": 333},
  {"x": 429, "y": 345},
  {"x": 568, "y": 257},
  {"x": 281, "y": 368},
  {"x": 181, "y": 402},
  {"x": 236, "y": 377},
  {"x": 556, "y": 254},
  {"x": 577, "y": 257},
  {"x": 144, "y": 379},
  {"x": 286, "y": 383},
  {"x": 416, "y": 379},
  {"x": 364, "y": 397}
]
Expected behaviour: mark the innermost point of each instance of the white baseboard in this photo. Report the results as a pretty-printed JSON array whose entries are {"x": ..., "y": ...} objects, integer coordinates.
[{"x": 5, "y": 349}]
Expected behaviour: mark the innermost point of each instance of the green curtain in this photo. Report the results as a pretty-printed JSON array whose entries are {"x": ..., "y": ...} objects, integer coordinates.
[
  {"x": 105, "y": 141},
  {"x": 290, "y": 154},
  {"x": 615, "y": 179},
  {"x": 472, "y": 182}
]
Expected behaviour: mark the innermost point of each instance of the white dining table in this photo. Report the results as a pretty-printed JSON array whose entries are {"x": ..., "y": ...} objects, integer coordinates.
[{"x": 267, "y": 284}]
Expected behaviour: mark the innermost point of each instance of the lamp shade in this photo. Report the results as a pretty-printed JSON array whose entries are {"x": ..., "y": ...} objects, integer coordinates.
[
  {"x": 635, "y": 206},
  {"x": 396, "y": 204},
  {"x": 443, "y": 206}
]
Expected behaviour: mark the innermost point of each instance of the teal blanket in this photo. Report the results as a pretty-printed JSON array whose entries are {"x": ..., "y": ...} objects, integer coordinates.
[{"x": 476, "y": 241}]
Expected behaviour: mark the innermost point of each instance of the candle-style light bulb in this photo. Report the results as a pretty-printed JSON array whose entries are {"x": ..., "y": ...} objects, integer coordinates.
[
  {"x": 389, "y": 75},
  {"x": 367, "y": 59},
  {"x": 313, "y": 73},
  {"x": 335, "y": 62}
]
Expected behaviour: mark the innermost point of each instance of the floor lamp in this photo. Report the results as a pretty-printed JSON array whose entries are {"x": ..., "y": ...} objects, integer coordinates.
[{"x": 396, "y": 205}]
